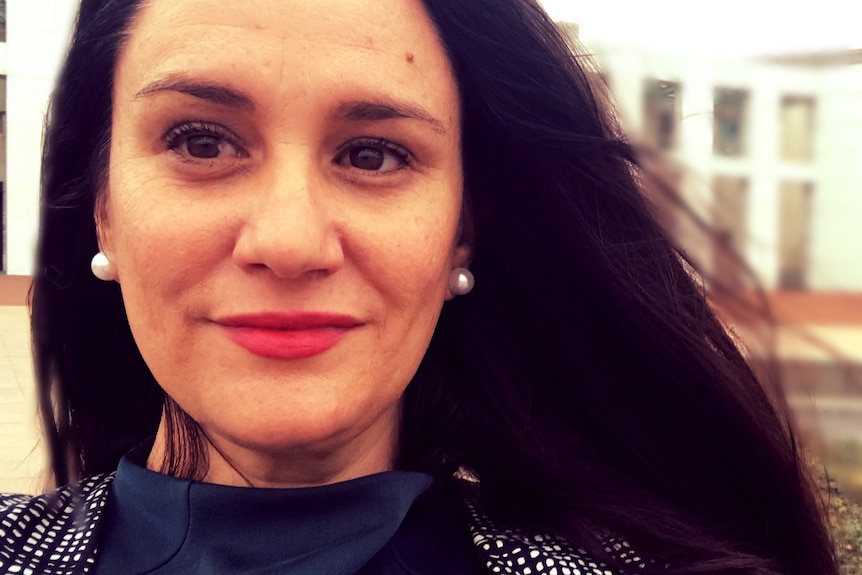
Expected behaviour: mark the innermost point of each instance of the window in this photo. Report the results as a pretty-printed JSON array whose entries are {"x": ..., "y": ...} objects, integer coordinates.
[
  {"x": 797, "y": 128},
  {"x": 730, "y": 109},
  {"x": 793, "y": 234},
  {"x": 730, "y": 216},
  {"x": 661, "y": 113}
]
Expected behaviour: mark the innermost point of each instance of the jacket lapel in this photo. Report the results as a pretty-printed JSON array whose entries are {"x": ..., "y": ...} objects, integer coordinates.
[
  {"x": 523, "y": 553},
  {"x": 55, "y": 533},
  {"x": 66, "y": 524}
]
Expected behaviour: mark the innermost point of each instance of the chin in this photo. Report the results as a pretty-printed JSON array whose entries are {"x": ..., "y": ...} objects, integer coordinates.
[{"x": 290, "y": 434}]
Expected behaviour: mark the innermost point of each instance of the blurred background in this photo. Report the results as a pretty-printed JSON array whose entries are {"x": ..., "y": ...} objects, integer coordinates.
[
  {"x": 755, "y": 114},
  {"x": 754, "y": 110}
]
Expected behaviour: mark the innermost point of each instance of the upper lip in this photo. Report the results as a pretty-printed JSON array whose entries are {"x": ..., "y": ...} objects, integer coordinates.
[{"x": 291, "y": 321}]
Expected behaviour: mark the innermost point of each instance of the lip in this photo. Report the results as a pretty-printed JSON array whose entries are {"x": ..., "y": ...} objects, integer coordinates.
[{"x": 287, "y": 335}]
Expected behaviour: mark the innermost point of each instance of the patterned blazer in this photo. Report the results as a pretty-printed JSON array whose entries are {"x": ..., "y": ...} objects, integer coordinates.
[{"x": 58, "y": 533}]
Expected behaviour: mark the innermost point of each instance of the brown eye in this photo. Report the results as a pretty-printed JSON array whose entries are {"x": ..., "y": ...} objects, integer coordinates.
[
  {"x": 374, "y": 156},
  {"x": 203, "y": 141},
  {"x": 204, "y": 147},
  {"x": 367, "y": 159}
]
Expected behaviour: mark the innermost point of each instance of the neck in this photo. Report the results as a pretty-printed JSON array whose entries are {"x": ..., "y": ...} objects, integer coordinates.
[{"x": 229, "y": 463}]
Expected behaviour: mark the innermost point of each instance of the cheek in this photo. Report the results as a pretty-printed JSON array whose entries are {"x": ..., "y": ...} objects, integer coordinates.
[
  {"x": 163, "y": 247},
  {"x": 409, "y": 262},
  {"x": 165, "y": 257}
]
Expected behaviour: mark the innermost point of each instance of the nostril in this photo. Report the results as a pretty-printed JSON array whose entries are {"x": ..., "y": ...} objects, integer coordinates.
[{"x": 289, "y": 250}]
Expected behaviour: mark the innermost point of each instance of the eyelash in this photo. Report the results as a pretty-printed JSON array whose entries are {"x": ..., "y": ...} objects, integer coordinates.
[
  {"x": 403, "y": 154},
  {"x": 173, "y": 139}
]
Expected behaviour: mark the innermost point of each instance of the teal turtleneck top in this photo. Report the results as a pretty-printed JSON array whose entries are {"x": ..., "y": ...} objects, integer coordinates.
[{"x": 390, "y": 523}]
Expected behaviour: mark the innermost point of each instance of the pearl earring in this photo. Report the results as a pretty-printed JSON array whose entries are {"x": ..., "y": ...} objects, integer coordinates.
[
  {"x": 103, "y": 268},
  {"x": 461, "y": 281}
]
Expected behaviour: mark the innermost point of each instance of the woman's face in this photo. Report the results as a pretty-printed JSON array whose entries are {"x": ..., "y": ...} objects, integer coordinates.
[{"x": 283, "y": 210}]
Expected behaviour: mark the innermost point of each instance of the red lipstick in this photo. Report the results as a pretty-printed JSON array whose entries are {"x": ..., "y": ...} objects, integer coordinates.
[{"x": 287, "y": 335}]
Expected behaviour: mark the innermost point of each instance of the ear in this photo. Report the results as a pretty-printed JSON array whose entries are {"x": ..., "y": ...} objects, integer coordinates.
[
  {"x": 463, "y": 253},
  {"x": 105, "y": 237},
  {"x": 461, "y": 256},
  {"x": 103, "y": 224},
  {"x": 102, "y": 265}
]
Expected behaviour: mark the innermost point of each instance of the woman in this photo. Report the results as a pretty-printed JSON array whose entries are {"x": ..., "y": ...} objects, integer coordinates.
[{"x": 288, "y": 200}]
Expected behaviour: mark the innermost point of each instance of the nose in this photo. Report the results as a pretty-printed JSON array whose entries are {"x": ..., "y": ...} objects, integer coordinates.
[{"x": 290, "y": 227}]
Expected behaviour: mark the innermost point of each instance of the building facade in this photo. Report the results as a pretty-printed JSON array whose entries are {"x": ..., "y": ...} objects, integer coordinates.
[
  {"x": 36, "y": 36},
  {"x": 771, "y": 150}
]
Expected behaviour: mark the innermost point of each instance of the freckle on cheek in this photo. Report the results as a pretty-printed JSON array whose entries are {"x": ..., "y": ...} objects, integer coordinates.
[{"x": 409, "y": 57}]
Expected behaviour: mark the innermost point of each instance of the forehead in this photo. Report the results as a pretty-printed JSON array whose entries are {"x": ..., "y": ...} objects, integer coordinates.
[{"x": 301, "y": 44}]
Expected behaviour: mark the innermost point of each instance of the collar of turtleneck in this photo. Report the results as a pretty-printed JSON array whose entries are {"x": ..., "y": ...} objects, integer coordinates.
[{"x": 159, "y": 524}]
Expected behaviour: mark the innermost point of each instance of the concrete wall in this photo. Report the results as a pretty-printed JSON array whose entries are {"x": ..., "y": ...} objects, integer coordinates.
[
  {"x": 37, "y": 33},
  {"x": 837, "y": 243},
  {"x": 835, "y": 246}
]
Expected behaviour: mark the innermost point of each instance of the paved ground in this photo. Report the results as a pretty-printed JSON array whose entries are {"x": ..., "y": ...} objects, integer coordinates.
[
  {"x": 835, "y": 412},
  {"x": 21, "y": 458},
  {"x": 21, "y": 455}
]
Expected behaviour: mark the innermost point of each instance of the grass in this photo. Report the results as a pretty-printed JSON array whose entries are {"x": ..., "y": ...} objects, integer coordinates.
[
  {"x": 845, "y": 518},
  {"x": 840, "y": 481}
]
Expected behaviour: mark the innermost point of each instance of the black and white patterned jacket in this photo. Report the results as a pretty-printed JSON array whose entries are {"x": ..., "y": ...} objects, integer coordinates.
[{"x": 57, "y": 534}]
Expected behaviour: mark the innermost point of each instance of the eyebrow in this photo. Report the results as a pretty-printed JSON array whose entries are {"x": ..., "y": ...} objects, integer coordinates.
[
  {"x": 355, "y": 111},
  {"x": 215, "y": 93},
  {"x": 362, "y": 111}
]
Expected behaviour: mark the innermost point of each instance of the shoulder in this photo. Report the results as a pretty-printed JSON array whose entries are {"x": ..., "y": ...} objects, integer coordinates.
[
  {"x": 520, "y": 552},
  {"x": 53, "y": 532},
  {"x": 10, "y": 500}
]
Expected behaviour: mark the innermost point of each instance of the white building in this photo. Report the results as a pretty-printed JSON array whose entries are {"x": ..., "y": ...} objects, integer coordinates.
[
  {"x": 788, "y": 174},
  {"x": 774, "y": 145},
  {"x": 36, "y": 34}
]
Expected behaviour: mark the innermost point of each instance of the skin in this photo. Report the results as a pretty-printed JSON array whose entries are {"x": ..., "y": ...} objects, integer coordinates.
[{"x": 281, "y": 219}]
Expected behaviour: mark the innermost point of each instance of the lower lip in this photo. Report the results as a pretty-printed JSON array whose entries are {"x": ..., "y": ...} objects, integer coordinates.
[{"x": 286, "y": 344}]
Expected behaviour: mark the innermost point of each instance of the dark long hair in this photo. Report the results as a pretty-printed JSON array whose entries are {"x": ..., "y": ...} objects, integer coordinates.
[{"x": 586, "y": 382}]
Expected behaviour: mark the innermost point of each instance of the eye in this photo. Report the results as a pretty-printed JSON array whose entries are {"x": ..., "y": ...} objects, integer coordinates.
[
  {"x": 202, "y": 141},
  {"x": 373, "y": 155}
]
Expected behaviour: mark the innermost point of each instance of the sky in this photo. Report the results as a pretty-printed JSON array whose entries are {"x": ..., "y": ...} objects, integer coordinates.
[{"x": 731, "y": 27}]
